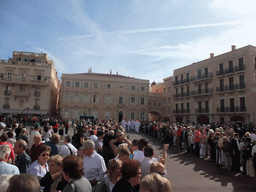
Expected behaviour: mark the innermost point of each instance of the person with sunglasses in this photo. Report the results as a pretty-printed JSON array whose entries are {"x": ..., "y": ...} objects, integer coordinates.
[
  {"x": 131, "y": 175},
  {"x": 40, "y": 167}
]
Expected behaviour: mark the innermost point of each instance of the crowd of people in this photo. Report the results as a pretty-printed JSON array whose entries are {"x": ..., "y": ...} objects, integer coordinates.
[
  {"x": 231, "y": 146},
  {"x": 97, "y": 157}
]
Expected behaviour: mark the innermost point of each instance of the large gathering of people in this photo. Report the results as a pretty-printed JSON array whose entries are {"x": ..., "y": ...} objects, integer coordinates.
[{"x": 98, "y": 156}]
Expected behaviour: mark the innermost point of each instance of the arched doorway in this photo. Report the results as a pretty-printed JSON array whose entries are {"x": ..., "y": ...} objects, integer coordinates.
[
  {"x": 203, "y": 119},
  {"x": 120, "y": 116},
  {"x": 154, "y": 116},
  {"x": 237, "y": 119},
  {"x": 179, "y": 119}
]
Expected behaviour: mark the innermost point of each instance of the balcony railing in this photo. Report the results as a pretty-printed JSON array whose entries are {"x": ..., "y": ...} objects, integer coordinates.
[
  {"x": 231, "y": 109},
  {"x": 202, "y": 77},
  {"x": 7, "y": 92},
  {"x": 181, "y": 111},
  {"x": 6, "y": 106},
  {"x": 220, "y": 72},
  {"x": 22, "y": 93},
  {"x": 237, "y": 86},
  {"x": 36, "y": 107},
  {"x": 181, "y": 82},
  {"x": 229, "y": 70},
  {"x": 23, "y": 80},
  {"x": 37, "y": 93},
  {"x": 239, "y": 68},
  {"x": 203, "y": 110},
  {"x": 202, "y": 92}
]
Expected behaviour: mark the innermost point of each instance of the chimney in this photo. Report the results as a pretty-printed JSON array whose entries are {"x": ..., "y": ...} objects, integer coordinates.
[
  {"x": 110, "y": 72},
  {"x": 90, "y": 70},
  {"x": 233, "y": 48},
  {"x": 211, "y": 55},
  {"x": 117, "y": 73}
]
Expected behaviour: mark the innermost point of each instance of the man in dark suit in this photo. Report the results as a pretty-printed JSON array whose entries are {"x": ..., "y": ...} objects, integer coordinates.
[{"x": 235, "y": 153}]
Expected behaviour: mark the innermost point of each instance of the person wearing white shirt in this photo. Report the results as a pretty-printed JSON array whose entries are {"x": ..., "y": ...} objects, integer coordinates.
[
  {"x": 137, "y": 126},
  {"x": 123, "y": 123},
  {"x": 32, "y": 135},
  {"x": 92, "y": 136},
  {"x": 149, "y": 159},
  {"x": 141, "y": 145},
  {"x": 99, "y": 141},
  {"x": 253, "y": 136},
  {"x": 67, "y": 148},
  {"x": 94, "y": 164}
]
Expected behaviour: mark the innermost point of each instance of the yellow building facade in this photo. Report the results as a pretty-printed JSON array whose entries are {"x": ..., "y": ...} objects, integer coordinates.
[
  {"x": 28, "y": 84},
  {"x": 105, "y": 96}
]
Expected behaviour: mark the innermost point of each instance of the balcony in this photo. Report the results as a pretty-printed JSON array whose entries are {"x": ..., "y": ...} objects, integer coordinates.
[
  {"x": 184, "y": 81},
  {"x": 37, "y": 93},
  {"x": 176, "y": 111},
  {"x": 36, "y": 107},
  {"x": 6, "y": 106},
  {"x": 202, "y": 110},
  {"x": 23, "y": 81},
  {"x": 202, "y": 77},
  {"x": 202, "y": 92},
  {"x": 22, "y": 93},
  {"x": 7, "y": 92},
  {"x": 220, "y": 72},
  {"x": 231, "y": 109},
  {"x": 240, "y": 68},
  {"x": 236, "y": 87},
  {"x": 229, "y": 70}
]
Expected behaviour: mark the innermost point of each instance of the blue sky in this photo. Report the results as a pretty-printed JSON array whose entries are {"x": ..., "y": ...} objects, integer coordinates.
[{"x": 145, "y": 39}]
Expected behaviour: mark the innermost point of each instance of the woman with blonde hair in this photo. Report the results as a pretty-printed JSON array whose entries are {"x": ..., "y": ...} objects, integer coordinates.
[
  {"x": 113, "y": 175},
  {"x": 155, "y": 183},
  {"x": 53, "y": 179},
  {"x": 34, "y": 152}
]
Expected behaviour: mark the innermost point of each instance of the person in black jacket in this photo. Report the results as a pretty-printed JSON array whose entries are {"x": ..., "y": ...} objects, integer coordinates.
[{"x": 235, "y": 153}]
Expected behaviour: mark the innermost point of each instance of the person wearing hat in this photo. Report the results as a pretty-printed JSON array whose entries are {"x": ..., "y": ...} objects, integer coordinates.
[{"x": 94, "y": 164}]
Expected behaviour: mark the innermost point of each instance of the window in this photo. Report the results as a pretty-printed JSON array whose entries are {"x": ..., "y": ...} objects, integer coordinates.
[
  {"x": 221, "y": 84},
  {"x": 21, "y": 103},
  {"x": 199, "y": 73},
  {"x": 181, "y": 90},
  {"x": 206, "y": 87},
  {"x": 94, "y": 98},
  {"x": 67, "y": 97},
  {"x": 176, "y": 91},
  {"x": 199, "y": 106},
  {"x": 169, "y": 100},
  {"x": 9, "y": 75},
  {"x": 222, "y": 105},
  {"x": 108, "y": 86},
  {"x": 142, "y": 101},
  {"x": 67, "y": 83},
  {"x": 86, "y": 84},
  {"x": 169, "y": 89},
  {"x": 187, "y": 107},
  {"x": 206, "y": 105},
  {"x": 232, "y": 104},
  {"x": 25, "y": 59},
  {"x": 23, "y": 76},
  {"x": 121, "y": 86},
  {"x": 133, "y": 87},
  {"x": 159, "y": 104},
  {"x": 177, "y": 107},
  {"x": 231, "y": 83},
  {"x": 132, "y": 115},
  {"x": 38, "y": 77},
  {"x": 199, "y": 89},
  {"x": 230, "y": 66},
  {"x": 206, "y": 72},
  {"x": 221, "y": 68},
  {"x": 86, "y": 98},
  {"x": 187, "y": 76},
  {"x": 132, "y": 99},
  {"x": 76, "y": 98},
  {"x": 108, "y": 99},
  {"x": 169, "y": 110},
  {"x": 181, "y": 106},
  {"x": 38, "y": 61},
  {"x": 95, "y": 85},
  {"x": 241, "y": 63},
  {"x": 77, "y": 84},
  {"x": 181, "y": 78},
  {"x": 242, "y": 104},
  {"x": 164, "y": 90},
  {"x": 164, "y": 111},
  {"x": 142, "y": 88},
  {"x": 142, "y": 116},
  {"x": 164, "y": 100},
  {"x": 176, "y": 79},
  {"x": 187, "y": 90},
  {"x": 22, "y": 88},
  {"x": 241, "y": 82},
  {"x": 120, "y": 100}
]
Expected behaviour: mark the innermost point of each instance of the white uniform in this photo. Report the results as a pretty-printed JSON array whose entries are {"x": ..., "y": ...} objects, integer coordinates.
[
  {"x": 128, "y": 125},
  {"x": 137, "y": 126},
  {"x": 123, "y": 123},
  {"x": 132, "y": 124}
]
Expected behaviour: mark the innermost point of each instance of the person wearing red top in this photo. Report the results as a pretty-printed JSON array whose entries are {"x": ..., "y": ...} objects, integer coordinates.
[
  {"x": 3, "y": 139},
  {"x": 179, "y": 137},
  {"x": 197, "y": 140}
]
